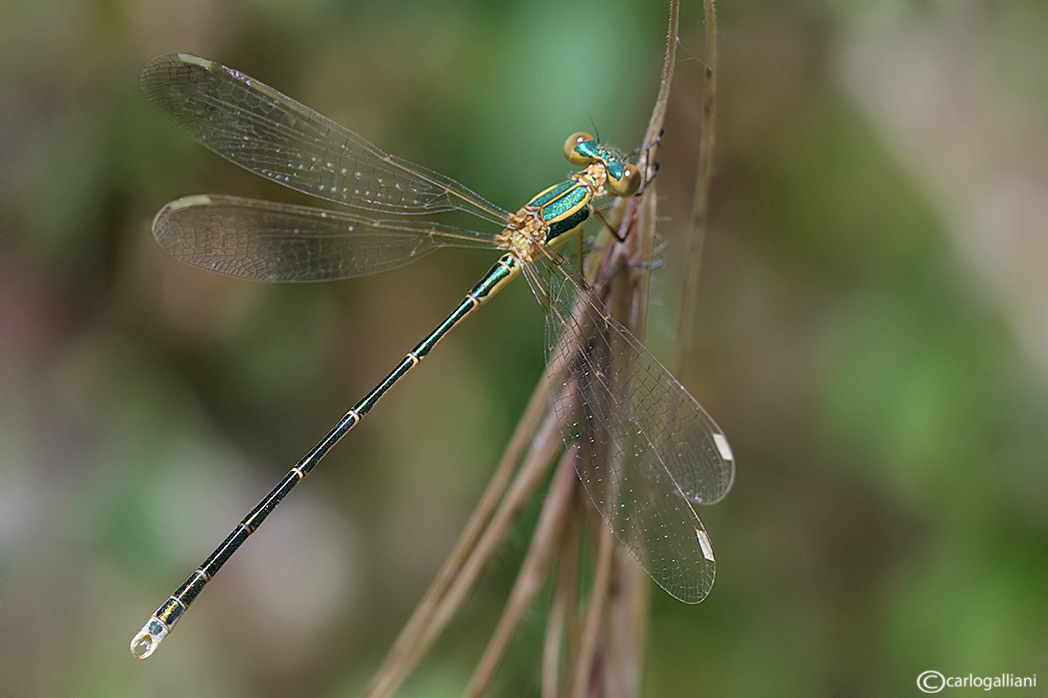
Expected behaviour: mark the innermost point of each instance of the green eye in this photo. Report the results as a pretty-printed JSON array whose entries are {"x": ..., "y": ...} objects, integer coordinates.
[
  {"x": 571, "y": 149},
  {"x": 628, "y": 183}
]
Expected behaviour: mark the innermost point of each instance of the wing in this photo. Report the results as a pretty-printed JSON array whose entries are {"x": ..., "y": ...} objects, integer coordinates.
[
  {"x": 646, "y": 450},
  {"x": 272, "y": 135},
  {"x": 269, "y": 241}
]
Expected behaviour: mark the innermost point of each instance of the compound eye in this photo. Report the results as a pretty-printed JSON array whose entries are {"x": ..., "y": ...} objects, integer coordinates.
[
  {"x": 628, "y": 183},
  {"x": 572, "y": 153}
]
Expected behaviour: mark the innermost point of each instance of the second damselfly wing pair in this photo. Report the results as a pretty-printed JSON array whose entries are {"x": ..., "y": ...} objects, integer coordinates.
[{"x": 644, "y": 449}]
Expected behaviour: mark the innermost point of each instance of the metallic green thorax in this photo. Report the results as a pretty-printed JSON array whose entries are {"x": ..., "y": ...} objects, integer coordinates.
[{"x": 563, "y": 207}]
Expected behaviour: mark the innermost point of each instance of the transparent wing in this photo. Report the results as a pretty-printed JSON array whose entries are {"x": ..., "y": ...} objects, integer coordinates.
[
  {"x": 269, "y": 241},
  {"x": 272, "y": 135},
  {"x": 646, "y": 451}
]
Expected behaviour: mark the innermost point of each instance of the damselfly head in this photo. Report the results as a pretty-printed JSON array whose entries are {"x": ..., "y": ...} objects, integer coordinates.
[{"x": 582, "y": 149}]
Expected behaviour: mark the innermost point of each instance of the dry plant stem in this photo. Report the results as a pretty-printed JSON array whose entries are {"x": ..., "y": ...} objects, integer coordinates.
[
  {"x": 544, "y": 542},
  {"x": 628, "y": 607},
  {"x": 618, "y": 665},
  {"x": 531, "y": 473},
  {"x": 627, "y": 625},
  {"x": 701, "y": 207},
  {"x": 461, "y": 570},
  {"x": 641, "y": 250},
  {"x": 575, "y": 620},
  {"x": 631, "y": 592},
  {"x": 393, "y": 669},
  {"x": 564, "y": 603},
  {"x": 658, "y": 112},
  {"x": 486, "y": 530},
  {"x": 584, "y": 665}
]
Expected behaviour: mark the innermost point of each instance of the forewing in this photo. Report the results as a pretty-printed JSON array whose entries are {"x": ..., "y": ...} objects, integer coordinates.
[{"x": 270, "y": 134}]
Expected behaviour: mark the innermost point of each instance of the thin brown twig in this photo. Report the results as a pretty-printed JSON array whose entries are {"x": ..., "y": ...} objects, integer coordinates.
[
  {"x": 561, "y": 618},
  {"x": 393, "y": 669},
  {"x": 544, "y": 450},
  {"x": 545, "y": 541},
  {"x": 658, "y": 112},
  {"x": 701, "y": 207},
  {"x": 588, "y": 645},
  {"x": 529, "y": 476}
]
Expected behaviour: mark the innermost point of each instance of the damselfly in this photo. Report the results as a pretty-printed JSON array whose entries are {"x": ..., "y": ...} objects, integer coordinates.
[{"x": 644, "y": 449}]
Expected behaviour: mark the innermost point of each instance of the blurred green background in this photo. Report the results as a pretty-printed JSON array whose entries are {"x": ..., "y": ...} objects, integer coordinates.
[{"x": 873, "y": 338}]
